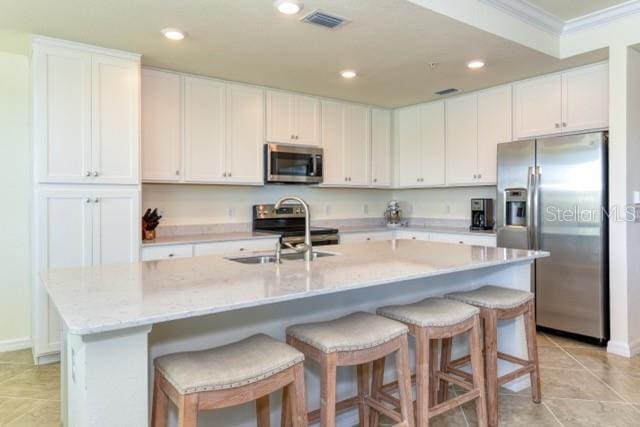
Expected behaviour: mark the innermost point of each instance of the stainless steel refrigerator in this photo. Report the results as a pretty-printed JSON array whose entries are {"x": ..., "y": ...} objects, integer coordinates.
[{"x": 552, "y": 196}]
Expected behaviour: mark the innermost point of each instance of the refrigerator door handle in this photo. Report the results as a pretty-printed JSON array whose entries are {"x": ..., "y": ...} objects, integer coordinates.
[
  {"x": 537, "y": 172},
  {"x": 529, "y": 213}
]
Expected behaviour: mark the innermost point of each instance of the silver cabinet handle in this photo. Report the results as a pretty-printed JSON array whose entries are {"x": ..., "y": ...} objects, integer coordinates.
[
  {"x": 241, "y": 249},
  {"x": 293, "y": 137},
  {"x": 557, "y": 125},
  {"x": 224, "y": 174},
  {"x": 87, "y": 200},
  {"x": 171, "y": 255},
  {"x": 177, "y": 172},
  {"x": 368, "y": 238},
  {"x": 346, "y": 179},
  {"x": 229, "y": 174},
  {"x": 297, "y": 136},
  {"x": 88, "y": 173},
  {"x": 375, "y": 179},
  {"x": 475, "y": 176},
  {"x": 417, "y": 179},
  {"x": 95, "y": 173},
  {"x": 479, "y": 175},
  {"x": 564, "y": 124},
  {"x": 96, "y": 200}
]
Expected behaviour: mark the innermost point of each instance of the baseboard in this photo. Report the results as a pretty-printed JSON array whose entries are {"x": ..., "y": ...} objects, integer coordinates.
[
  {"x": 47, "y": 359},
  {"x": 13, "y": 345},
  {"x": 619, "y": 348},
  {"x": 518, "y": 384}
]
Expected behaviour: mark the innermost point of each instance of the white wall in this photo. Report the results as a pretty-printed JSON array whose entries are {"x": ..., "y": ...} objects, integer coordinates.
[
  {"x": 15, "y": 193},
  {"x": 449, "y": 203}
]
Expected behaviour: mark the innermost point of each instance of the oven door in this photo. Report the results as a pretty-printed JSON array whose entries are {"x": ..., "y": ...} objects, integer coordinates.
[{"x": 292, "y": 164}]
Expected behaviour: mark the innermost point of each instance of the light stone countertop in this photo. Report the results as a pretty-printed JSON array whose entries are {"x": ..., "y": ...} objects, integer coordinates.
[
  {"x": 207, "y": 238},
  {"x": 111, "y": 297},
  {"x": 421, "y": 228}
]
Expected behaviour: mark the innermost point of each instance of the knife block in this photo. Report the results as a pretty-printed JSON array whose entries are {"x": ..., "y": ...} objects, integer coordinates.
[{"x": 147, "y": 234}]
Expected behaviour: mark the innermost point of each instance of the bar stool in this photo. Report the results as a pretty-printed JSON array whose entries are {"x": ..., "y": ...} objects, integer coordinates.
[
  {"x": 429, "y": 320},
  {"x": 230, "y": 375},
  {"x": 497, "y": 303},
  {"x": 355, "y": 340}
]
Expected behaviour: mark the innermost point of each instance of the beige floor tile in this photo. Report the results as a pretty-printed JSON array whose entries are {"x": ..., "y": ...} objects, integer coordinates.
[
  {"x": 22, "y": 357},
  {"x": 582, "y": 413},
  {"x": 628, "y": 386},
  {"x": 555, "y": 357},
  {"x": 544, "y": 341},
  {"x": 42, "y": 382},
  {"x": 566, "y": 342},
  {"x": 454, "y": 418},
  {"x": 516, "y": 411},
  {"x": 12, "y": 409},
  {"x": 571, "y": 384},
  {"x": 602, "y": 362},
  {"x": 43, "y": 414},
  {"x": 8, "y": 371}
]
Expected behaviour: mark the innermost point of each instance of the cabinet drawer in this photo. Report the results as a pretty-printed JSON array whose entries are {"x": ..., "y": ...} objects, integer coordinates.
[
  {"x": 234, "y": 247},
  {"x": 153, "y": 253},
  {"x": 412, "y": 235},
  {"x": 463, "y": 239},
  {"x": 366, "y": 237}
]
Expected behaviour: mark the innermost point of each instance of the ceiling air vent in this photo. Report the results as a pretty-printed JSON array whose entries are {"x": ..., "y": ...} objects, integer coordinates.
[
  {"x": 324, "y": 19},
  {"x": 446, "y": 91}
]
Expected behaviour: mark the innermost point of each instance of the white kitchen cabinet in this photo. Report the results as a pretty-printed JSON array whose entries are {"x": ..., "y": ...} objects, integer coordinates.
[
  {"x": 380, "y": 147},
  {"x": 462, "y": 139},
  {"x": 161, "y": 126},
  {"x": 235, "y": 247},
  {"x": 571, "y": 101},
  {"x": 585, "y": 98},
  {"x": 494, "y": 126},
  {"x": 366, "y": 236},
  {"x": 347, "y": 143},
  {"x": 205, "y": 130},
  {"x": 80, "y": 227},
  {"x": 157, "y": 253},
  {"x": 412, "y": 235},
  {"x": 463, "y": 239},
  {"x": 420, "y": 145},
  {"x": 86, "y": 114},
  {"x": 292, "y": 118}
]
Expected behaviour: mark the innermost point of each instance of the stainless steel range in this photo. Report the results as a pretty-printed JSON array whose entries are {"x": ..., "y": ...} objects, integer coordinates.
[{"x": 288, "y": 221}]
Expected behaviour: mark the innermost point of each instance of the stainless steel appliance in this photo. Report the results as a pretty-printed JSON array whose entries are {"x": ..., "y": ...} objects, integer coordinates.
[
  {"x": 289, "y": 222},
  {"x": 292, "y": 164},
  {"x": 552, "y": 196},
  {"x": 393, "y": 214},
  {"x": 482, "y": 214}
]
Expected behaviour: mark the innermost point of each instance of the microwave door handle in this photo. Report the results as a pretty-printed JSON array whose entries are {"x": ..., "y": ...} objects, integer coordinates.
[{"x": 314, "y": 165}]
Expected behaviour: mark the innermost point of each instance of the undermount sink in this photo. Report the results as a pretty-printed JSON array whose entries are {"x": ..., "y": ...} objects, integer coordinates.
[{"x": 268, "y": 259}]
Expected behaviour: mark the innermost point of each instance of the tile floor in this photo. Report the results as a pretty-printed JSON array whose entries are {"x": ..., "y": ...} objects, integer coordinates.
[{"x": 582, "y": 385}]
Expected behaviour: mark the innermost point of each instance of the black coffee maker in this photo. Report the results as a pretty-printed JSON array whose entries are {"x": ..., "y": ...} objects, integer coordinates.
[{"x": 482, "y": 214}]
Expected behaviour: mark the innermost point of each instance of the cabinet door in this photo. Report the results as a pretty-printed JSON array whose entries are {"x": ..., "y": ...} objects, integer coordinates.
[
  {"x": 116, "y": 226},
  {"x": 585, "y": 98},
  {"x": 408, "y": 146},
  {"x": 64, "y": 240},
  {"x": 204, "y": 130},
  {"x": 333, "y": 135},
  {"x": 280, "y": 118},
  {"x": 161, "y": 126},
  {"x": 115, "y": 120},
  {"x": 494, "y": 127},
  {"x": 380, "y": 148},
  {"x": 62, "y": 114},
  {"x": 358, "y": 145},
  {"x": 538, "y": 107},
  {"x": 373, "y": 236},
  {"x": 245, "y": 134},
  {"x": 307, "y": 120},
  {"x": 432, "y": 137},
  {"x": 235, "y": 247},
  {"x": 462, "y": 139},
  {"x": 157, "y": 253}
]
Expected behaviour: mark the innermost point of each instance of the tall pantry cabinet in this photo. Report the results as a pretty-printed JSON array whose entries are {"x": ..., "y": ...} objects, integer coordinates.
[{"x": 86, "y": 131}]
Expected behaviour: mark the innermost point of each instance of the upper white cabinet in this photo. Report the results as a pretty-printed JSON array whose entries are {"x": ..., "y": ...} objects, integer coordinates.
[
  {"x": 346, "y": 132},
  {"x": 200, "y": 130},
  {"x": 476, "y": 124},
  {"x": 161, "y": 126},
  {"x": 420, "y": 145},
  {"x": 86, "y": 115},
  {"x": 293, "y": 118},
  {"x": 380, "y": 147},
  {"x": 565, "y": 102}
]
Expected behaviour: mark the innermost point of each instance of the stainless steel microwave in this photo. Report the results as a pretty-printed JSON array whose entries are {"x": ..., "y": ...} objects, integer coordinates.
[{"x": 292, "y": 164}]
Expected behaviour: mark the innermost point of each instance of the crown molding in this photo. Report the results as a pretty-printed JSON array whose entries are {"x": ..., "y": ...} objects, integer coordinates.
[
  {"x": 601, "y": 17},
  {"x": 528, "y": 13}
]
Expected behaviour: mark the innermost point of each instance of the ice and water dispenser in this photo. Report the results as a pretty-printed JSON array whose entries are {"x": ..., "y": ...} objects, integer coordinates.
[{"x": 515, "y": 207}]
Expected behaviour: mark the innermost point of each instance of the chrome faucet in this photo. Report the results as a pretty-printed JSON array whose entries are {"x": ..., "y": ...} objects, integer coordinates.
[{"x": 306, "y": 246}]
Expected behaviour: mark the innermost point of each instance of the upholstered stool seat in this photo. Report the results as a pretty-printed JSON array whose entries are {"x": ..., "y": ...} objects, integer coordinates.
[
  {"x": 244, "y": 371},
  {"x": 233, "y": 365},
  {"x": 357, "y": 339},
  {"x": 494, "y": 297},
  {"x": 356, "y": 331},
  {"x": 430, "y": 312},
  {"x": 430, "y": 320}
]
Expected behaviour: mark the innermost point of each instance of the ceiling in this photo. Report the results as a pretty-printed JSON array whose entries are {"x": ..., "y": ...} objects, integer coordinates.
[
  {"x": 569, "y": 9},
  {"x": 390, "y": 43}
]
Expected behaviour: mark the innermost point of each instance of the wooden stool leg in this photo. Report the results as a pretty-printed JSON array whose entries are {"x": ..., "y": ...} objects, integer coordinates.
[
  {"x": 188, "y": 410},
  {"x": 445, "y": 358},
  {"x": 403, "y": 372},
  {"x": 286, "y": 413},
  {"x": 433, "y": 368},
  {"x": 160, "y": 402},
  {"x": 328, "y": 390},
  {"x": 363, "y": 393},
  {"x": 477, "y": 368},
  {"x": 376, "y": 384},
  {"x": 532, "y": 349},
  {"x": 422, "y": 376},
  {"x": 263, "y": 411},
  {"x": 298, "y": 397},
  {"x": 490, "y": 318}
]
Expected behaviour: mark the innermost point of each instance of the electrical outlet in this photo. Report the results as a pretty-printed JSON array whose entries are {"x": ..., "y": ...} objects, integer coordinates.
[
  {"x": 365, "y": 209},
  {"x": 447, "y": 209},
  {"x": 231, "y": 212},
  {"x": 327, "y": 210}
]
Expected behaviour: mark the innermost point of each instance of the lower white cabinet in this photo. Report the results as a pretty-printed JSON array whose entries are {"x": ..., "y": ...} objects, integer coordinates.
[
  {"x": 412, "y": 235},
  {"x": 366, "y": 237},
  {"x": 233, "y": 247},
  {"x": 156, "y": 253},
  {"x": 79, "y": 227},
  {"x": 463, "y": 239}
]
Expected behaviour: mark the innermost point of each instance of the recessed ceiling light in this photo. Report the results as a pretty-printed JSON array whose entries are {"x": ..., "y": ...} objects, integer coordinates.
[
  {"x": 288, "y": 7},
  {"x": 173, "y": 33},
  {"x": 348, "y": 74},
  {"x": 475, "y": 64}
]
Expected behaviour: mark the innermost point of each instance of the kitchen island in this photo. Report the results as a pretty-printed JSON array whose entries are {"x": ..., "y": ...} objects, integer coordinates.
[{"x": 117, "y": 318}]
